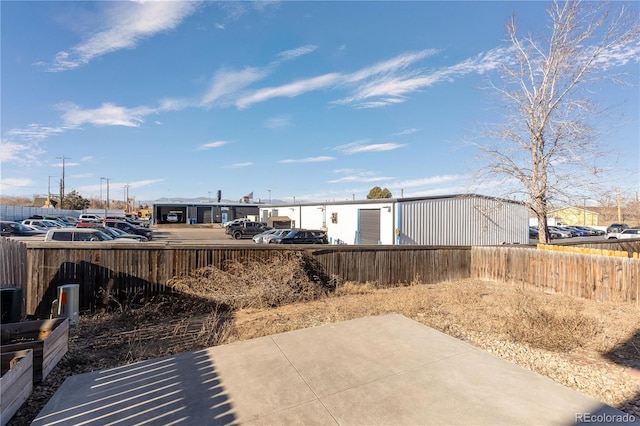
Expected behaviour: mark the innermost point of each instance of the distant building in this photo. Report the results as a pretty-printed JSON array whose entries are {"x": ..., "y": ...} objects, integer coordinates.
[
  {"x": 575, "y": 216},
  {"x": 203, "y": 212},
  {"x": 464, "y": 220}
]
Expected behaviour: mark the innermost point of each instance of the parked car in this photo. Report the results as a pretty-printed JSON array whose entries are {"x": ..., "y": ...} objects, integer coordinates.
[
  {"x": 533, "y": 232},
  {"x": 41, "y": 224},
  {"x": 575, "y": 232},
  {"x": 87, "y": 217},
  {"x": 82, "y": 234},
  {"x": 118, "y": 233},
  {"x": 589, "y": 231},
  {"x": 617, "y": 227},
  {"x": 625, "y": 234},
  {"x": 301, "y": 236},
  {"x": 278, "y": 233},
  {"x": 245, "y": 229},
  {"x": 172, "y": 217},
  {"x": 129, "y": 228},
  {"x": 53, "y": 218},
  {"x": 126, "y": 219},
  {"x": 562, "y": 232},
  {"x": 38, "y": 230},
  {"x": 15, "y": 229},
  {"x": 259, "y": 238},
  {"x": 236, "y": 221}
]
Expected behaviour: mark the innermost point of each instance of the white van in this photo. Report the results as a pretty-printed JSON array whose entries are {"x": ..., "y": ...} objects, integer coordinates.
[
  {"x": 88, "y": 217},
  {"x": 83, "y": 234}
]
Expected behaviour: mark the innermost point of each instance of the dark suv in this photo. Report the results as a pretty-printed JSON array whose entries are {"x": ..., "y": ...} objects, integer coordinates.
[
  {"x": 129, "y": 228},
  {"x": 617, "y": 227},
  {"x": 245, "y": 229},
  {"x": 301, "y": 236}
]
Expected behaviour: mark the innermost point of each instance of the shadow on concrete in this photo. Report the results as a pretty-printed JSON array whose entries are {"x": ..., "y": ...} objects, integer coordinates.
[{"x": 181, "y": 389}]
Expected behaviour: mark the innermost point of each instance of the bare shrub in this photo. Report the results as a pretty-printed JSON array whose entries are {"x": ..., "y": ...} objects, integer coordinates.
[
  {"x": 274, "y": 282},
  {"x": 555, "y": 328}
]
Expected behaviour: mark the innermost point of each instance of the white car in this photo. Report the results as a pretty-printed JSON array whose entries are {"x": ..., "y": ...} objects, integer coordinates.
[
  {"x": 625, "y": 234},
  {"x": 172, "y": 217},
  {"x": 93, "y": 218},
  {"x": 83, "y": 234}
]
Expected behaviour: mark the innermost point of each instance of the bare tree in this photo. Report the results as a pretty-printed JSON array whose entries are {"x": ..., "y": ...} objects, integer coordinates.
[{"x": 547, "y": 144}]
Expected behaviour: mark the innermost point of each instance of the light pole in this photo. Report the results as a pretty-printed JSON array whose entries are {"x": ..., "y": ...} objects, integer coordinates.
[
  {"x": 49, "y": 188},
  {"x": 63, "y": 158},
  {"x": 106, "y": 210},
  {"x": 126, "y": 197},
  {"x": 101, "y": 179}
]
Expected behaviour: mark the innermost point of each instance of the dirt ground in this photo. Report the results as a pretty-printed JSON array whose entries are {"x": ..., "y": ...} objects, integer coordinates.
[{"x": 589, "y": 346}]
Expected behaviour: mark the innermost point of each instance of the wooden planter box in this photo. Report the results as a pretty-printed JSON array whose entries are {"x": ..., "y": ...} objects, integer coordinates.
[
  {"x": 16, "y": 382},
  {"x": 49, "y": 340}
]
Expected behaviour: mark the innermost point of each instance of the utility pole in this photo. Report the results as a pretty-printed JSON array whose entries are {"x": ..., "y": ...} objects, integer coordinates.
[
  {"x": 619, "y": 208},
  {"x": 269, "y": 195},
  {"x": 49, "y": 188},
  {"x": 101, "y": 179},
  {"x": 63, "y": 158},
  {"x": 106, "y": 211},
  {"x": 126, "y": 198}
]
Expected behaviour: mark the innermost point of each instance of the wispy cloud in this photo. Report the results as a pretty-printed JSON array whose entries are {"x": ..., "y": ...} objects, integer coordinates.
[
  {"x": 387, "y": 82},
  {"x": 35, "y": 132},
  {"x": 209, "y": 145},
  {"x": 228, "y": 81},
  {"x": 23, "y": 154},
  {"x": 277, "y": 122},
  {"x": 106, "y": 115},
  {"x": 9, "y": 185},
  {"x": 355, "y": 175},
  {"x": 358, "y": 147},
  {"x": 288, "y": 55},
  {"x": 240, "y": 165},
  {"x": 433, "y": 180},
  {"x": 290, "y": 90},
  {"x": 308, "y": 160},
  {"x": 406, "y": 132},
  {"x": 128, "y": 23}
]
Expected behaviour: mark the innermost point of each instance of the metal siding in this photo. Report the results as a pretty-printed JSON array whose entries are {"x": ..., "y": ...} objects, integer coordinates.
[
  {"x": 463, "y": 221},
  {"x": 369, "y": 226}
]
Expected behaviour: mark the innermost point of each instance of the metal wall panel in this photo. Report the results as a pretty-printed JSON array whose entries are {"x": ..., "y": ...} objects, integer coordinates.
[
  {"x": 465, "y": 221},
  {"x": 369, "y": 226}
]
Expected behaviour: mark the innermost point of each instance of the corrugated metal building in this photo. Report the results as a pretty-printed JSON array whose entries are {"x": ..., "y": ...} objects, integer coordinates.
[{"x": 465, "y": 219}]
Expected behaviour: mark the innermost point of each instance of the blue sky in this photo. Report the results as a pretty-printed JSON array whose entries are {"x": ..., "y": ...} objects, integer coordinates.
[{"x": 312, "y": 100}]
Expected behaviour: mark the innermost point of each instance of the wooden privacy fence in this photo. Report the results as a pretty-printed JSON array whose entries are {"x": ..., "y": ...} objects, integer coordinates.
[
  {"x": 13, "y": 263},
  {"x": 594, "y": 277},
  {"x": 588, "y": 250},
  {"x": 144, "y": 270}
]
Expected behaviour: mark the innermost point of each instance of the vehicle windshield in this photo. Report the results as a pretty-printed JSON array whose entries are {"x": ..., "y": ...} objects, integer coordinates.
[
  {"x": 104, "y": 236},
  {"x": 20, "y": 227}
]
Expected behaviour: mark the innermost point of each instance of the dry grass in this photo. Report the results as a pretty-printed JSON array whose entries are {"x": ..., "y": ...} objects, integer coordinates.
[{"x": 462, "y": 308}]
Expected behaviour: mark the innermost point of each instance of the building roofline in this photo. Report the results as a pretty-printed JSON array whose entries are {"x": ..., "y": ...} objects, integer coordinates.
[{"x": 391, "y": 200}]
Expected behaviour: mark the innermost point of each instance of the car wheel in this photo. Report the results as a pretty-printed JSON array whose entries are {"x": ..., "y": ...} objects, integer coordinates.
[{"x": 237, "y": 235}]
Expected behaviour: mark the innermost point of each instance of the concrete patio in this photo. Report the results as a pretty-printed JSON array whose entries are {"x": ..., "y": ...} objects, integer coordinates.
[{"x": 377, "y": 370}]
